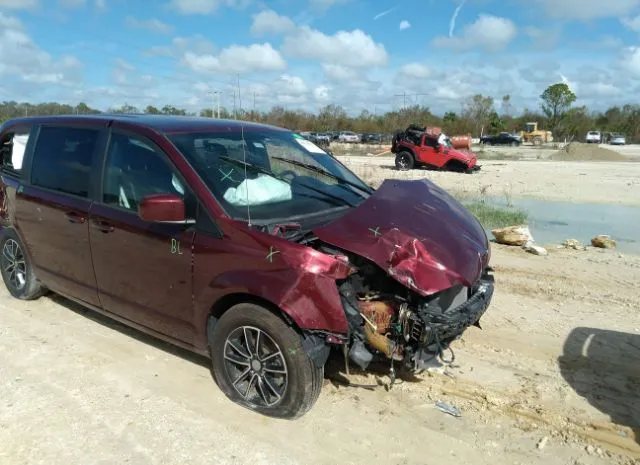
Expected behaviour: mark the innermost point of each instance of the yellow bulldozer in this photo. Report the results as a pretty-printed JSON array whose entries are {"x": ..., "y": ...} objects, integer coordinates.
[{"x": 534, "y": 135}]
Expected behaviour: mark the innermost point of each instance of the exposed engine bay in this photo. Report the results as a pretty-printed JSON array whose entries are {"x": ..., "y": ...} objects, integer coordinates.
[{"x": 389, "y": 321}]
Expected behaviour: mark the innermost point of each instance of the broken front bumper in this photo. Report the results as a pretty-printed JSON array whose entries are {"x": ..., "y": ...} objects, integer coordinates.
[{"x": 442, "y": 328}]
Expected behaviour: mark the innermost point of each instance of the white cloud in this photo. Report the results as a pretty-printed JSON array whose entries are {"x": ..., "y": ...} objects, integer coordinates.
[
  {"x": 339, "y": 73},
  {"x": 384, "y": 13},
  {"x": 23, "y": 59},
  {"x": 237, "y": 59},
  {"x": 202, "y": 7},
  {"x": 588, "y": 9},
  {"x": 153, "y": 25},
  {"x": 488, "y": 32},
  {"x": 415, "y": 70},
  {"x": 543, "y": 39},
  {"x": 404, "y": 24},
  {"x": 631, "y": 61},
  {"x": 454, "y": 16},
  {"x": 321, "y": 94},
  {"x": 632, "y": 23},
  {"x": 270, "y": 22},
  {"x": 349, "y": 48}
]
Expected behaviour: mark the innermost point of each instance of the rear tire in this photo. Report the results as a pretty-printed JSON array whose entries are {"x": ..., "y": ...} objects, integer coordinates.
[
  {"x": 405, "y": 161},
  {"x": 17, "y": 272},
  {"x": 258, "y": 362}
]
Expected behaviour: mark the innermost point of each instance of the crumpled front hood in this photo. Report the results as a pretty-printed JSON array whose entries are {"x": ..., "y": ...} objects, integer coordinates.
[
  {"x": 417, "y": 232},
  {"x": 466, "y": 156}
]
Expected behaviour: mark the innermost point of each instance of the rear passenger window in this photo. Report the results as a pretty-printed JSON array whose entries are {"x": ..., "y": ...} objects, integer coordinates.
[{"x": 62, "y": 159}]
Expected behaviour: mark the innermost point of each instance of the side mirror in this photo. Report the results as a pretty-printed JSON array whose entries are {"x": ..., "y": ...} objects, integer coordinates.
[{"x": 162, "y": 208}]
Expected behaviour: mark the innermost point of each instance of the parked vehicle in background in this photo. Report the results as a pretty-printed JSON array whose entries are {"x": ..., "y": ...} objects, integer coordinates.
[
  {"x": 242, "y": 242},
  {"x": 321, "y": 140},
  {"x": 504, "y": 138},
  {"x": 349, "y": 137},
  {"x": 369, "y": 138},
  {"x": 617, "y": 139},
  {"x": 417, "y": 147},
  {"x": 320, "y": 137},
  {"x": 535, "y": 136},
  {"x": 593, "y": 137}
]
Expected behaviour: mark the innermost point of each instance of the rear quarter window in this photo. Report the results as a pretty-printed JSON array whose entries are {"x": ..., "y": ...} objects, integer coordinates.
[
  {"x": 63, "y": 158},
  {"x": 12, "y": 149}
]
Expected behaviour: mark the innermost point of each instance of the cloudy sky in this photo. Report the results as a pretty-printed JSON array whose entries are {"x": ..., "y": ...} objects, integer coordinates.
[{"x": 306, "y": 53}]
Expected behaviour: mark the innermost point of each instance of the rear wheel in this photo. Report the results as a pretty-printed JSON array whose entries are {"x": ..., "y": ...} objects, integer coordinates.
[
  {"x": 404, "y": 161},
  {"x": 259, "y": 362},
  {"x": 17, "y": 272}
]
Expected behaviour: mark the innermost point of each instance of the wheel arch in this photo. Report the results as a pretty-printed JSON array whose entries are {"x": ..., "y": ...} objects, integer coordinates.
[{"x": 228, "y": 301}]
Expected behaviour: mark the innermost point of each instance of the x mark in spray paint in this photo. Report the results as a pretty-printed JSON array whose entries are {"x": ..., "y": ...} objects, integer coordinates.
[{"x": 271, "y": 253}]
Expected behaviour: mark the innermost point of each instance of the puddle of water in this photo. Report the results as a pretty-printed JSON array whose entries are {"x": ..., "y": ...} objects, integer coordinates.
[{"x": 553, "y": 222}]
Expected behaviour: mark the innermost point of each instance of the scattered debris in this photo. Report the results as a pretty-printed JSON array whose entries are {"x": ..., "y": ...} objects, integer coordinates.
[
  {"x": 535, "y": 249},
  {"x": 543, "y": 442},
  {"x": 603, "y": 241},
  {"x": 573, "y": 244},
  {"x": 448, "y": 409},
  {"x": 513, "y": 235}
]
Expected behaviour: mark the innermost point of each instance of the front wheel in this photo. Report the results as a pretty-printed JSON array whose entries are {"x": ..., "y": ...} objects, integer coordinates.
[
  {"x": 258, "y": 361},
  {"x": 404, "y": 161},
  {"x": 17, "y": 272}
]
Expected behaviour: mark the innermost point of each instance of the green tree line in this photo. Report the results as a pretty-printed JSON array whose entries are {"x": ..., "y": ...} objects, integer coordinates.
[{"x": 479, "y": 115}]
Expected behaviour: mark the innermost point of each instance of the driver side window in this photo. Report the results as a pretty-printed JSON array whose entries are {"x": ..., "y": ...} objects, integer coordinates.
[{"x": 134, "y": 170}]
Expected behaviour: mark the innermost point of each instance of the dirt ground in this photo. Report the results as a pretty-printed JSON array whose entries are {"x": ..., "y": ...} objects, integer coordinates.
[
  {"x": 588, "y": 182},
  {"x": 553, "y": 377},
  {"x": 535, "y": 386}
]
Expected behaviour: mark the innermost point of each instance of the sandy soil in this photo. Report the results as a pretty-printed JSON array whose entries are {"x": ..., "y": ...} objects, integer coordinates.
[
  {"x": 598, "y": 182},
  {"x": 79, "y": 389}
]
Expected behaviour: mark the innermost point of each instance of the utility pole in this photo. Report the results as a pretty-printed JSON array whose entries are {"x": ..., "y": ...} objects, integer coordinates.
[
  {"x": 239, "y": 96},
  {"x": 404, "y": 98},
  {"x": 235, "y": 113},
  {"x": 215, "y": 93}
]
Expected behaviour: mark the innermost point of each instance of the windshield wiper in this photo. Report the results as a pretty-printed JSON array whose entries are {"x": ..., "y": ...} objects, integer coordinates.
[
  {"x": 315, "y": 169},
  {"x": 336, "y": 200}
]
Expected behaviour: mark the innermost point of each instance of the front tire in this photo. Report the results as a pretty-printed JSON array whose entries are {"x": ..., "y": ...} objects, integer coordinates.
[
  {"x": 404, "y": 161},
  {"x": 258, "y": 362},
  {"x": 17, "y": 272}
]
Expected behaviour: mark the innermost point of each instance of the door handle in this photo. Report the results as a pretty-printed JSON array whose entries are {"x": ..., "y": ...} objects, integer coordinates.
[
  {"x": 103, "y": 226},
  {"x": 75, "y": 217}
]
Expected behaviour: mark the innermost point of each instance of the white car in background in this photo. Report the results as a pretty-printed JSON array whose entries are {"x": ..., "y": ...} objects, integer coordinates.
[
  {"x": 618, "y": 139},
  {"x": 348, "y": 136},
  {"x": 593, "y": 137}
]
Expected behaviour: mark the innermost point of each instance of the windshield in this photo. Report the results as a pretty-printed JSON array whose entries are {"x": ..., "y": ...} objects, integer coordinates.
[{"x": 269, "y": 175}]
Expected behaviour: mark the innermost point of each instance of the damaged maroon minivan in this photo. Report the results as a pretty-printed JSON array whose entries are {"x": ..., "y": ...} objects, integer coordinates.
[{"x": 239, "y": 241}]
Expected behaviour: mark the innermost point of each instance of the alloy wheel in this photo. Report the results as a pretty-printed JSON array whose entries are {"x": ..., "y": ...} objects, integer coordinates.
[
  {"x": 14, "y": 264},
  {"x": 403, "y": 161},
  {"x": 255, "y": 366}
]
